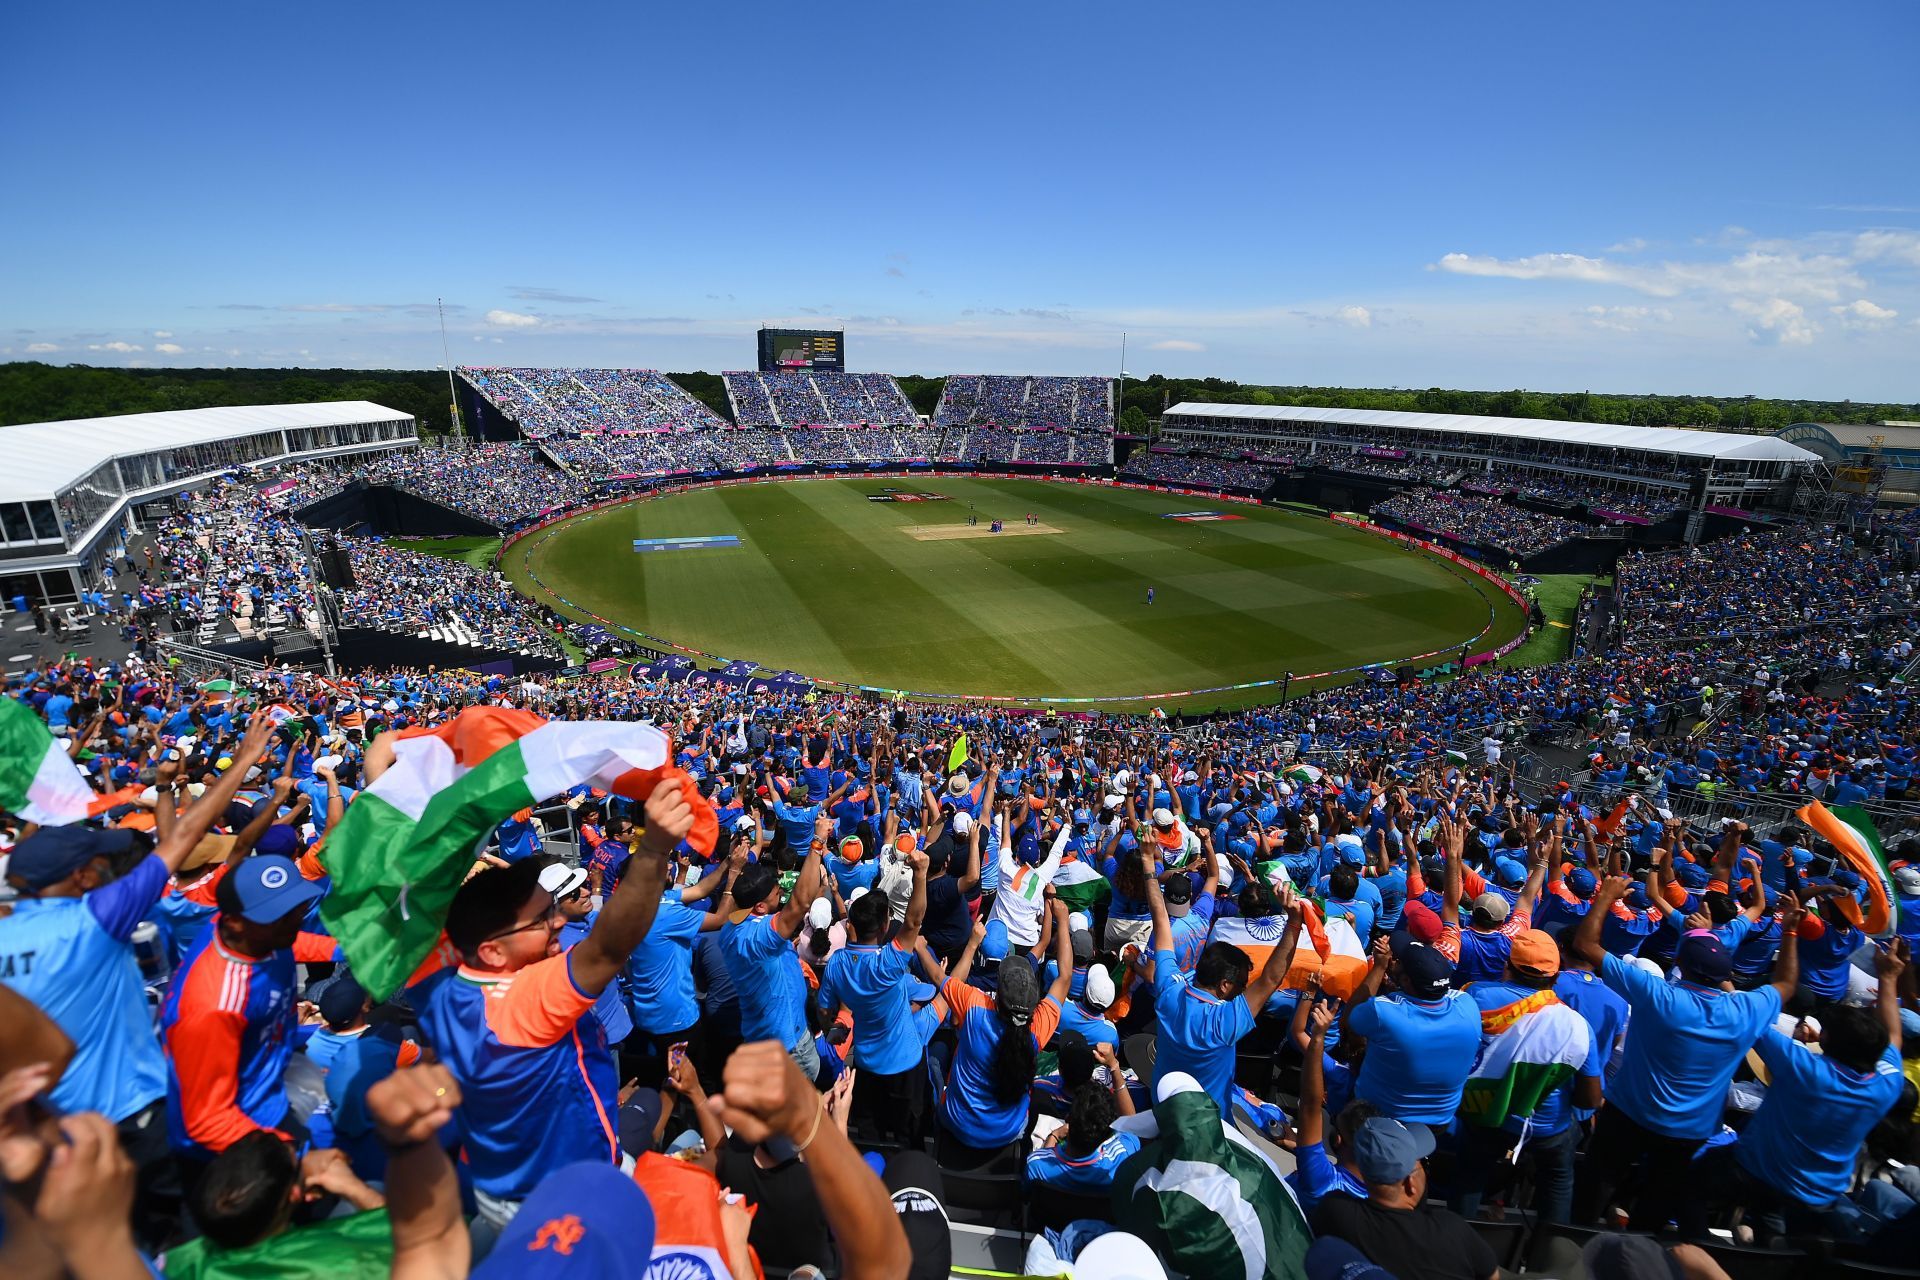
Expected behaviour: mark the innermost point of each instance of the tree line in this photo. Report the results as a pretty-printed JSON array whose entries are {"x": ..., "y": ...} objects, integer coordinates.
[{"x": 36, "y": 392}]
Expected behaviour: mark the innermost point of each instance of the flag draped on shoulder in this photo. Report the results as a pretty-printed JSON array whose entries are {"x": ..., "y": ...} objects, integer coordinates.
[
  {"x": 408, "y": 840},
  {"x": 1538, "y": 1043},
  {"x": 1202, "y": 1196},
  {"x": 39, "y": 782},
  {"x": 1851, "y": 833}
]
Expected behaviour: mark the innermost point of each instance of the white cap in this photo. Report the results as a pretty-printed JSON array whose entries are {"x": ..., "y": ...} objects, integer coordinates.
[
  {"x": 1099, "y": 987},
  {"x": 1651, "y": 966},
  {"x": 1077, "y": 921},
  {"x": 1163, "y": 817},
  {"x": 858, "y": 894},
  {"x": 1112, "y": 802},
  {"x": 1122, "y": 778},
  {"x": 962, "y": 823},
  {"x": 1118, "y": 1255},
  {"x": 561, "y": 880},
  {"x": 820, "y": 914},
  {"x": 328, "y": 762},
  {"x": 1189, "y": 776}
]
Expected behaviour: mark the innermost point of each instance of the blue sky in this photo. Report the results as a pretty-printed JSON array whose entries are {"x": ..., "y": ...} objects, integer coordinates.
[{"x": 1630, "y": 198}]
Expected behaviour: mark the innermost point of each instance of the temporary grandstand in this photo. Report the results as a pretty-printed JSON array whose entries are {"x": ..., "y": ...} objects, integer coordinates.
[
  {"x": 816, "y": 399},
  {"x": 71, "y": 490},
  {"x": 539, "y": 403},
  {"x": 985, "y": 399},
  {"x": 1700, "y": 469}
]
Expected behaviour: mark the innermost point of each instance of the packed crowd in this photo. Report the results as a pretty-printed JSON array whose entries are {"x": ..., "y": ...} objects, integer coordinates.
[
  {"x": 793, "y": 399},
  {"x": 562, "y": 402},
  {"x": 1088, "y": 952},
  {"x": 1646, "y": 502},
  {"x": 995, "y": 400},
  {"x": 1164, "y": 466},
  {"x": 504, "y": 484},
  {"x": 1737, "y": 586},
  {"x": 1481, "y": 521}
]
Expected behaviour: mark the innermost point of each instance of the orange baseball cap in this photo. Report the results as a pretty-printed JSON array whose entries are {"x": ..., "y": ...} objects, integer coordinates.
[{"x": 1535, "y": 953}]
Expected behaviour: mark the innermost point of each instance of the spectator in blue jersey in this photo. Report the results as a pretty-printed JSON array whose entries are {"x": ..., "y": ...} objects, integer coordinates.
[
  {"x": 1343, "y": 900},
  {"x": 568, "y": 888},
  {"x": 1086, "y": 1014},
  {"x": 1203, "y": 1017},
  {"x": 1191, "y": 914},
  {"x": 872, "y": 978},
  {"x": 1421, "y": 1040},
  {"x": 1828, "y": 940},
  {"x": 1795, "y": 1161},
  {"x": 1685, "y": 1039},
  {"x": 757, "y": 941},
  {"x": 67, "y": 946},
  {"x": 607, "y": 857},
  {"x": 537, "y": 1078},
  {"x": 662, "y": 1000},
  {"x": 1324, "y": 1166},
  {"x": 1082, "y": 1156}
]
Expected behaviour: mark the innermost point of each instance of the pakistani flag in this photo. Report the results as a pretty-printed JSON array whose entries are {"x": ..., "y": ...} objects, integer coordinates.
[
  {"x": 1205, "y": 1198},
  {"x": 410, "y": 838},
  {"x": 1851, "y": 833}
]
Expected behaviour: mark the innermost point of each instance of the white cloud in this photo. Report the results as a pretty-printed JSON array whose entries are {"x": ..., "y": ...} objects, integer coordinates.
[
  {"x": 1821, "y": 277},
  {"x": 1358, "y": 317},
  {"x": 1901, "y": 247},
  {"x": 1786, "y": 322},
  {"x": 41, "y": 348},
  {"x": 1862, "y": 314},
  {"x": 168, "y": 348},
  {"x": 1175, "y": 344},
  {"x": 163, "y": 333},
  {"x": 1626, "y": 319},
  {"x": 512, "y": 319},
  {"x": 1634, "y": 245},
  {"x": 122, "y": 347}
]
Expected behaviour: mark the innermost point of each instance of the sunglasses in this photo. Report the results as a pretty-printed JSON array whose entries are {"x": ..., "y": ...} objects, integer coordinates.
[{"x": 550, "y": 922}]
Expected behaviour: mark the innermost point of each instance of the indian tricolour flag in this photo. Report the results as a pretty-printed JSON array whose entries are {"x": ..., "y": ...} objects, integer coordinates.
[
  {"x": 1079, "y": 884},
  {"x": 1538, "y": 1043},
  {"x": 39, "y": 781},
  {"x": 1328, "y": 947},
  {"x": 1850, "y": 831},
  {"x": 410, "y": 838},
  {"x": 1304, "y": 774}
]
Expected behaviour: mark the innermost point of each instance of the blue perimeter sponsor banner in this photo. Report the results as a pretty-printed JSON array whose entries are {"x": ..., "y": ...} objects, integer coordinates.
[{"x": 686, "y": 544}]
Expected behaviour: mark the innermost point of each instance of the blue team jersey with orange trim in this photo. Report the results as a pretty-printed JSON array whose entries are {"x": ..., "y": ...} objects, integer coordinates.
[
  {"x": 227, "y": 1027},
  {"x": 537, "y": 1080}
]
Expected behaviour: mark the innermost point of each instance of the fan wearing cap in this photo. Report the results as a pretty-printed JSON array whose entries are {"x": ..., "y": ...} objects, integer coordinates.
[
  {"x": 1495, "y": 918},
  {"x": 1686, "y": 1040},
  {"x": 1025, "y": 884},
  {"x": 1396, "y": 1227},
  {"x": 1083, "y": 1155},
  {"x": 511, "y": 1021},
  {"x": 568, "y": 887},
  {"x": 1540, "y": 1038},
  {"x": 67, "y": 946},
  {"x": 1191, "y": 914},
  {"x": 1203, "y": 1017},
  {"x": 872, "y": 978},
  {"x": 1421, "y": 1040},
  {"x": 1086, "y": 1014},
  {"x": 229, "y": 1017}
]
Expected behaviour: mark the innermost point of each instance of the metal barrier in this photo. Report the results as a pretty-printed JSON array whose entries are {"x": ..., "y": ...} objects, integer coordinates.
[{"x": 204, "y": 664}]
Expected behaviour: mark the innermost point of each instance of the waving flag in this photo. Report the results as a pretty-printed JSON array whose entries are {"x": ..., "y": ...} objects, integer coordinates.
[
  {"x": 1079, "y": 884},
  {"x": 1201, "y": 1194},
  {"x": 38, "y": 780},
  {"x": 1330, "y": 948},
  {"x": 1850, "y": 831},
  {"x": 408, "y": 840},
  {"x": 957, "y": 756}
]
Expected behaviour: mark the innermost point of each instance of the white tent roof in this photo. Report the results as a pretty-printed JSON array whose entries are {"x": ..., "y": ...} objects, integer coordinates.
[
  {"x": 39, "y": 459},
  {"x": 1691, "y": 444}
]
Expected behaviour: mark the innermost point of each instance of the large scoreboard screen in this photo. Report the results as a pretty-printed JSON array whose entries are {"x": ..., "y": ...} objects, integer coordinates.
[{"x": 810, "y": 349}]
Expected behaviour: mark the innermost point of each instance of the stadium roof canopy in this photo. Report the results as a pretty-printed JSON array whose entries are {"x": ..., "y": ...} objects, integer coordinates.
[
  {"x": 38, "y": 460},
  {"x": 1861, "y": 435},
  {"x": 1693, "y": 444}
]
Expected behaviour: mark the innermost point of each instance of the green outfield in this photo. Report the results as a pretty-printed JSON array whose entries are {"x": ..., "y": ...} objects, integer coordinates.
[{"x": 903, "y": 595}]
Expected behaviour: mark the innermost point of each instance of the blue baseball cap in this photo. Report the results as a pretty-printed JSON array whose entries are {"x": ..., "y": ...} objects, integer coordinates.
[
  {"x": 51, "y": 854},
  {"x": 1582, "y": 882},
  {"x": 994, "y": 946},
  {"x": 1387, "y": 1150},
  {"x": 269, "y": 887},
  {"x": 586, "y": 1219},
  {"x": 1509, "y": 872}
]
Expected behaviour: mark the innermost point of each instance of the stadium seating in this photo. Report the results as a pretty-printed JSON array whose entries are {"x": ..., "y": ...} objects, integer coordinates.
[{"x": 1060, "y": 403}]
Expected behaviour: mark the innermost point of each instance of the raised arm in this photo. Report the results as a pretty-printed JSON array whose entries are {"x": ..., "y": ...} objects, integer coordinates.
[
  {"x": 1156, "y": 902},
  {"x": 806, "y": 887},
  {"x": 909, "y": 934},
  {"x": 1280, "y": 959},
  {"x": 1309, "y": 1124},
  {"x": 409, "y": 1109},
  {"x": 1062, "y": 951},
  {"x": 1586, "y": 936},
  {"x": 628, "y": 914},
  {"x": 1786, "y": 965},
  {"x": 1889, "y": 963}
]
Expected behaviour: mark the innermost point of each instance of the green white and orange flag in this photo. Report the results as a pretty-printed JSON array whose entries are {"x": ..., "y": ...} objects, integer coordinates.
[
  {"x": 39, "y": 781},
  {"x": 1850, "y": 831},
  {"x": 1536, "y": 1045},
  {"x": 410, "y": 838}
]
